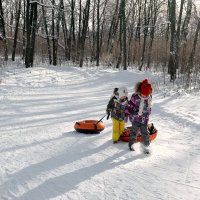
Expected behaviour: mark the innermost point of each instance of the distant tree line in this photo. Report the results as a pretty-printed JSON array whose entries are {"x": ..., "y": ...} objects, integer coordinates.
[{"x": 149, "y": 34}]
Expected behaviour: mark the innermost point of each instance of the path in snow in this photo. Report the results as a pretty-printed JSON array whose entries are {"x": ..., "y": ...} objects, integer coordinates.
[{"x": 42, "y": 157}]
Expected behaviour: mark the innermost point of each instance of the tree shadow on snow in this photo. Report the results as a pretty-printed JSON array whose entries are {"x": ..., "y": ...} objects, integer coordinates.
[
  {"x": 58, "y": 185},
  {"x": 69, "y": 134}
]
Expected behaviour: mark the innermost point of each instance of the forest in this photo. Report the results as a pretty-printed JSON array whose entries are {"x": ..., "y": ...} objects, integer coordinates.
[{"x": 155, "y": 35}]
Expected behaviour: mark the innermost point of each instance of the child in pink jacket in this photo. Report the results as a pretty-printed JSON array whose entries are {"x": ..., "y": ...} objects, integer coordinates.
[{"x": 138, "y": 110}]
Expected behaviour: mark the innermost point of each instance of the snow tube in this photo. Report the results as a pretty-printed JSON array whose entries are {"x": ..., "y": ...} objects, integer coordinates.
[
  {"x": 89, "y": 126},
  {"x": 126, "y": 134}
]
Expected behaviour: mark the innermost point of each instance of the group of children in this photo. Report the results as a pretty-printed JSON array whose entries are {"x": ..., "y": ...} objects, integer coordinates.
[{"x": 137, "y": 110}]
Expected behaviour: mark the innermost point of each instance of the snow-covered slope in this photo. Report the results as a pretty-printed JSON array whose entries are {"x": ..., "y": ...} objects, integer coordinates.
[{"x": 42, "y": 157}]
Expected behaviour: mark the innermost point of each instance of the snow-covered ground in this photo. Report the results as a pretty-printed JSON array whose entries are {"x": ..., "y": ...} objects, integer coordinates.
[{"x": 42, "y": 156}]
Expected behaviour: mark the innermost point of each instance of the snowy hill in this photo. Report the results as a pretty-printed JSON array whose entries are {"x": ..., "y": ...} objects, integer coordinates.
[{"x": 42, "y": 157}]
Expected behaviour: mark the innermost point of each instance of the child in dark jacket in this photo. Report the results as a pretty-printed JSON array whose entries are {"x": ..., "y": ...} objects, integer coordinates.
[
  {"x": 138, "y": 110},
  {"x": 116, "y": 107}
]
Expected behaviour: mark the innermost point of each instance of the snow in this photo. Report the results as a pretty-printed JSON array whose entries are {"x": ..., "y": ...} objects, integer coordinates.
[{"x": 42, "y": 156}]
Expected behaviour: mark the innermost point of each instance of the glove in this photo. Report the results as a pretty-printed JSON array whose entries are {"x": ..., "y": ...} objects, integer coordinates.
[
  {"x": 126, "y": 119},
  {"x": 108, "y": 116},
  {"x": 108, "y": 112}
]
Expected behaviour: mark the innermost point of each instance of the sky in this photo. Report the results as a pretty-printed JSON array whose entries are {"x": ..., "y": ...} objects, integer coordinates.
[{"x": 42, "y": 156}]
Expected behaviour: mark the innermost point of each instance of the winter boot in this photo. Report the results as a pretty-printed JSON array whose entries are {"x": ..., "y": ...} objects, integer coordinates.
[
  {"x": 145, "y": 149},
  {"x": 131, "y": 148}
]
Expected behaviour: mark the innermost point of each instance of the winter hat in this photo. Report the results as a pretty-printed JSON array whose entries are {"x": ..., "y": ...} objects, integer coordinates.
[
  {"x": 123, "y": 92},
  {"x": 145, "y": 88}
]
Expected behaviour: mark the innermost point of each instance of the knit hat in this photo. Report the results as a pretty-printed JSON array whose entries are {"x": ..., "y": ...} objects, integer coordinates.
[
  {"x": 145, "y": 88},
  {"x": 123, "y": 92}
]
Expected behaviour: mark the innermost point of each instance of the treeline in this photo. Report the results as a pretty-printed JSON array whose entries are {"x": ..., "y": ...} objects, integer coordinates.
[{"x": 149, "y": 34}]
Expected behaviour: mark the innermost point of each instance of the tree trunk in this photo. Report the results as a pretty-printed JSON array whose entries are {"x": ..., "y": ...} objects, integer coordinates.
[
  {"x": 24, "y": 33},
  {"x": 190, "y": 64},
  {"x": 34, "y": 24},
  {"x": 3, "y": 32},
  {"x": 119, "y": 60},
  {"x": 86, "y": 14},
  {"x": 79, "y": 32},
  {"x": 64, "y": 25},
  {"x": 47, "y": 35},
  {"x": 72, "y": 39},
  {"x": 146, "y": 24},
  {"x": 172, "y": 56},
  {"x": 124, "y": 34},
  {"x": 137, "y": 33},
  {"x": 54, "y": 39},
  {"x": 184, "y": 34},
  {"x": 113, "y": 28},
  {"x": 131, "y": 31},
  {"x": 28, "y": 34},
  {"x": 152, "y": 31},
  {"x": 178, "y": 33},
  {"x": 98, "y": 34},
  {"x": 16, "y": 29}
]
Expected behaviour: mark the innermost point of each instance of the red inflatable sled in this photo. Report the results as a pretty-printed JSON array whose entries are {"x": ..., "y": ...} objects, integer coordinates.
[
  {"x": 89, "y": 126},
  {"x": 151, "y": 129}
]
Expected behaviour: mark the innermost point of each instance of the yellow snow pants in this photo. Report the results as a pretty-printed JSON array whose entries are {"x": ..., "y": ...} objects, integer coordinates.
[{"x": 118, "y": 128}]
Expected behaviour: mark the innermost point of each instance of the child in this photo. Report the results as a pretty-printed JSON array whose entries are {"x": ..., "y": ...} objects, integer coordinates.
[
  {"x": 138, "y": 110},
  {"x": 116, "y": 107}
]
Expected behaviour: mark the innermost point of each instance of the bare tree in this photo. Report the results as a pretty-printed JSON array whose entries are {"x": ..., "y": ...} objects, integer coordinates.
[
  {"x": 178, "y": 32},
  {"x": 3, "y": 32},
  {"x": 28, "y": 34},
  {"x": 122, "y": 36},
  {"x": 122, "y": 31},
  {"x": 72, "y": 38},
  {"x": 16, "y": 28},
  {"x": 184, "y": 34},
  {"x": 138, "y": 32},
  {"x": 123, "y": 6},
  {"x": 84, "y": 31},
  {"x": 33, "y": 30},
  {"x": 130, "y": 27},
  {"x": 172, "y": 56},
  {"x": 79, "y": 31},
  {"x": 190, "y": 64},
  {"x": 56, "y": 30},
  {"x": 47, "y": 34},
  {"x": 31, "y": 21},
  {"x": 153, "y": 20},
  {"x": 98, "y": 34},
  {"x": 65, "y": 33},
  {"x": 113, "y": 28},
  {"x": 146, "y": 13}
]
